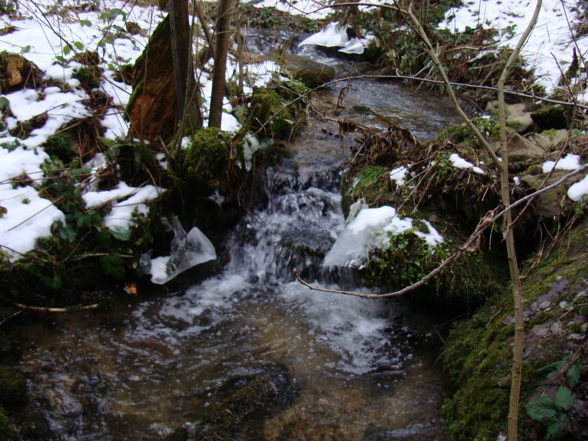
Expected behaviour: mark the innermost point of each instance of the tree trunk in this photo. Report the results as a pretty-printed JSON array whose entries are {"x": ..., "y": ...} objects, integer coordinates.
[
  {"x": 181, "y": 50},
  {"x": 152, "y": 108},
  {"x": 223, "y": 36}
]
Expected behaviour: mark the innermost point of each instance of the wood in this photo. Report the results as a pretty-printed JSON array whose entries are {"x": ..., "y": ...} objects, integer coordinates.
[{"x": 152, "y": 108}]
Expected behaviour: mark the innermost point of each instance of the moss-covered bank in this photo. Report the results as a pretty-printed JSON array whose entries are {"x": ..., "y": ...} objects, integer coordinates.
[{"x": 477, "y": 354}]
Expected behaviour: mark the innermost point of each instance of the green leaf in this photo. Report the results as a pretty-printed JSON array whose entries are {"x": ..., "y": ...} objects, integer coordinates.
[
  {"x": 112, "y": 265},
  {"x": 541, "y": 409},
  {"x": 573, "y": 375},
  {"x": 554, "y": 429},
  {"x": 25, "y": 49},
  {"x": 120, "y": 234},
  {"x": 563, "y": 398},
  {"x": 67, "y": 233},
  {"x": 66, "y": 49},
  {"x": 4, "y": 103},
  {"x": 79, "y": 45},
  {"x": 87, "y": 23},
  {"x": 60, "y": 59},
  {"x": 112, "y": 13}
]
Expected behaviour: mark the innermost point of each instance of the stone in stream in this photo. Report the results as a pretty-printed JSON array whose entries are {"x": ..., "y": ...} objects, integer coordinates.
[
  {"x": 310, "y": 72},
  {"x": 257, "y": 398}
]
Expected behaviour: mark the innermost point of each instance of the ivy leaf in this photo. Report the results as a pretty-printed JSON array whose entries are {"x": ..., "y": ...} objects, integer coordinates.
[
  {"x": 573, "y": 375},
  {"x": 541, "y": 409},
  {"x": 122, "y": 235},
  {"x": 563, "y": 398}
]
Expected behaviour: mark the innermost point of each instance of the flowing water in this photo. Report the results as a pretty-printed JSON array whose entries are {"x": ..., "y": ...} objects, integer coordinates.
[{"x": 142, "y": 368}]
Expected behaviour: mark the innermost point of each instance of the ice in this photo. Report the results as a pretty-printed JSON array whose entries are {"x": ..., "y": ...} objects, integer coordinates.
[{"x": 187, "y": 251}]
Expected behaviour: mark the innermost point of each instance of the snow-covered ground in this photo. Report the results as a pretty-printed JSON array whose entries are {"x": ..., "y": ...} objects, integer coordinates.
[{"x": 40, "y": 36}]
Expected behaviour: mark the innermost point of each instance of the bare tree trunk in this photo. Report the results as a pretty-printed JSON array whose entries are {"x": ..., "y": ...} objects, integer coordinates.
[
  {"x": 181, "y": 50},
  {"x": 223, "y": 37},
  {"x": 507, "y": 229}
]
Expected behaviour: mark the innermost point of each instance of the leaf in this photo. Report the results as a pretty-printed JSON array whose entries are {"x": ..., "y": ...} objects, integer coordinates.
[
  {"x": 573, "y": 375},
  {"x": 112, "y": 13},
  {"x": 25, "y": 49},
  {"x": 79, "y": 45},
  {"x": 541, "y": 409},
  {"x": 66, "y": 49},
  {"x": 87, "y": 23},
  {"x": 584, "y": 310},
  {"x": 120, "y": 234},
  {"x": 564, "y": 398},
  {"x": 4, "y": 103},
  {"x": 112, "y": 265}
]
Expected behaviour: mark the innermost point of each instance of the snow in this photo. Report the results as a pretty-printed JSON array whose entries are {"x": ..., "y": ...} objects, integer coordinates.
[
  {"x": 398, "y": 175},
  {"x": 336, "y": 36},
  {"x": 578, "y": 190},
  {"x": 369, "y": 230},
  {"x": 40, "y": 38},
  {"x": 458, "y": 162},
  {"x": 548, "y": 48},
  {"x": 569, "y": 162}
]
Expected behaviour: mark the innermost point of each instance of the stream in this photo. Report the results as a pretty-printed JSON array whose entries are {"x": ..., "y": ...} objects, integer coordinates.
[{"x": 144, "y": 367}]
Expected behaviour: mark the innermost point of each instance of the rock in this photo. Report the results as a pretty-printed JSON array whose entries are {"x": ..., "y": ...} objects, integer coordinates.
[
  {"x": 257, "y": 398},
  {"x": 548, "y": 140},
  {"x": 519, "y": 148},
  {"x": 550, "y": 117},
  {"x": 311, "y": 73},
  {"x": 549, "y": 203},
  {"x": 16, "y": 72},
  {"x": 518, "y": 116}
]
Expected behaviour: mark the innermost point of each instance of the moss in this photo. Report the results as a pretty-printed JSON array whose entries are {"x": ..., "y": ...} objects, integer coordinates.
[
  {"x": 550, "y": 117},
  {"x": 206, "y": 159},
  {"x": 88, "y": 78},
  {"x": 60, "y": 147},
  {"x": 478, "y": 352},
  {"x": 13, "y": 388},
  {"x": 272, "y": 115},
  {"x": 462, "y": 134},
  {"x": 6, "y": 431}
]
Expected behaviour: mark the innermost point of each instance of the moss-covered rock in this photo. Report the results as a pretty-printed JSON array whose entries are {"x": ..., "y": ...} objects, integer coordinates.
[
  {"x": 310, "y": 73},
  {"x": 478, "y": 352},
  {"x": 550, "y": 116}
]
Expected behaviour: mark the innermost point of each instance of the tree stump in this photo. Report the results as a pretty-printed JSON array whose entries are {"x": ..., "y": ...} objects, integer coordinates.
[{"x": 152, "y": 108}]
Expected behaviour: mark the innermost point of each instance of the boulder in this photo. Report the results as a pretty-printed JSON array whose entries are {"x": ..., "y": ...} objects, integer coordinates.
[
  {"x": 518, "y": 116},
  {"x": 549, "y": 139},
  {"x": 257, "y": 397},
  {"x": 16, "y": 72},
  {"x": 311, "y": 73},
  {"x": 519, "y": 148}
]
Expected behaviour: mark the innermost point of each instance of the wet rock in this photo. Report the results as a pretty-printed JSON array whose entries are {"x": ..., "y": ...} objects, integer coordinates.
[
  {"x": 256, "y": 398},
  {"x": 549, "y": 139},
  {"x": 518, "y": 116},
  {"x": 549, "y": 204},
  {"x": 311, "y": 73},
  {"x": 519, "y": 148}
]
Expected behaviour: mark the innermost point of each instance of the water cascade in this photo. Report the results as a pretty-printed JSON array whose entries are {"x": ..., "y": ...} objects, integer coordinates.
[{"x": 141, "y": 370}]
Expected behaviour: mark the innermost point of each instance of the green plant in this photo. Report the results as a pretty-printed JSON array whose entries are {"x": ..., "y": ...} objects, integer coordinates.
[{"x": 552, "y": 412}]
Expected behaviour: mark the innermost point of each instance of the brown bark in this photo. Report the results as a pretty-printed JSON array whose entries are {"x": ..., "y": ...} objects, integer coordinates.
[
  {"x": 152, "y": 108},
  {"x": 223, "y": 37}
]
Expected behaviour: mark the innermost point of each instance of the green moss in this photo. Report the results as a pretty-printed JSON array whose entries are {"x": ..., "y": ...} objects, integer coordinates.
[
  {"x": 88, "y": 78},
  {"x": 462, "y": 134},
  {"x": 549, "y": 117},
  {"x": 60, "y": 147},
  {"x": 207, "y": 157},
  {"x": 273, "y": 116},
  {"x": 13, "y": 388}
]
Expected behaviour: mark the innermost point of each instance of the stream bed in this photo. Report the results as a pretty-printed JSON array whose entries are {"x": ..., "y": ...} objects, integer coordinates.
[{"x": 139, "y": 369}]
